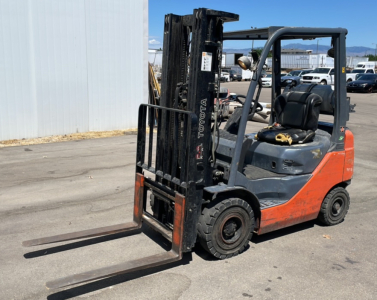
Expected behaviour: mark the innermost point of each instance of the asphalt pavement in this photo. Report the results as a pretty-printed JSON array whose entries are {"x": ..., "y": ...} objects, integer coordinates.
[{"x": 61, "y": 187}]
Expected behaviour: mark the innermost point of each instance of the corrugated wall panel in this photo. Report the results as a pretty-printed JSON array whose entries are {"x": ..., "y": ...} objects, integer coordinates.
[
  {"x": 60, "y": 66},
  {"x": 71, "y": 66},
  {"x": 114, "y": 62},
  {"x": 17, "y": 97}
]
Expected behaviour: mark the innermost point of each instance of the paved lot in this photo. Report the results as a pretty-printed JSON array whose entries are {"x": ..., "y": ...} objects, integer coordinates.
[{"x": 55, "y": 188}]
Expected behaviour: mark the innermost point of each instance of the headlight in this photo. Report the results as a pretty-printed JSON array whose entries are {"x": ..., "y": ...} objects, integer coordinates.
[
  {"x": 244, "y": 63},
  {"x": 315, "y": 77},
  {"x": 364, "y": 84}
]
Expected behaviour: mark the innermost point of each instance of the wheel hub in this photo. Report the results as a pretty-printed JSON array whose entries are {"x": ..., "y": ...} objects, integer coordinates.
[
  {"x": 230, "y": 228},
  {"x": 337, "y": 207}
]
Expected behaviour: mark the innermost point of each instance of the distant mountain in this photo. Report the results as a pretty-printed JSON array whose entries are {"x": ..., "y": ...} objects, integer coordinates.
[
  {"x": 313, "y": 47},
  {"x": 360, "y": 51},
  {"x": 351, "y": 51},
  {"x": 243, "y": 51}
]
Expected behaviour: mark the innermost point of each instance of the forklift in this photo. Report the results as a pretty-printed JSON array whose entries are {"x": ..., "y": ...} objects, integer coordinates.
[{"x": 198, "y": 183}]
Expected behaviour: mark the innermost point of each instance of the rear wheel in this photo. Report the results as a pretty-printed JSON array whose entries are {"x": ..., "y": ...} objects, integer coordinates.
[
  {"x": 334, "y": 207},
  {"x": 226, "y": 227}
]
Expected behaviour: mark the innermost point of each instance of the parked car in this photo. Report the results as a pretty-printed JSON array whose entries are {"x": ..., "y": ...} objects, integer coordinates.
[
  {"x": 294, "y": 77},
  {"x": 300, "y": 72},
  {"x": 267, "y": 81},
  {"x": 233, "y": 76},
  {"x": 225, "y": 76},
  {"x": 365, "y": 83},
  {"x": 237, "y": 77},
  {"x": 355, "y": 73}
]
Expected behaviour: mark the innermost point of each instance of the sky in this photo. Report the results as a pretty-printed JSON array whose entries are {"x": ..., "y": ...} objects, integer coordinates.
[{"x": 359, "y": 17}]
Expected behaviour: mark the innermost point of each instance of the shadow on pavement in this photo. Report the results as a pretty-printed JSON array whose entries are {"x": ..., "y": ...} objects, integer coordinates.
[
  {"x": 111, "y": 281},
  {"x": 256, "y": 239}
]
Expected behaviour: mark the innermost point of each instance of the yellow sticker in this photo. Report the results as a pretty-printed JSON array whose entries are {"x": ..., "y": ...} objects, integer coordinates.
[{"x": 343, "y": 70}]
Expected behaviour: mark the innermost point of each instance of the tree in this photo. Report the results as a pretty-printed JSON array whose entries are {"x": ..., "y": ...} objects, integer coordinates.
[
  {"x": 372, "y": 57},
  {"x": 259, "y": 51}
]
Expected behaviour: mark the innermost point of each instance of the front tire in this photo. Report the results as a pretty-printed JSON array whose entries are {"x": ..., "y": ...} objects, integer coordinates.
[
  {"x": 334, "y": 207},
  {"x": 323, "y": 82},
  {"x": 226, "y": 227}
]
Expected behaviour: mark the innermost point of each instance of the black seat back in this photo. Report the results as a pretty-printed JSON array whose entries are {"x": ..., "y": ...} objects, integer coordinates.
[
  {"x": 297, "y": 117},
  {"x": 298, "y": 110}
]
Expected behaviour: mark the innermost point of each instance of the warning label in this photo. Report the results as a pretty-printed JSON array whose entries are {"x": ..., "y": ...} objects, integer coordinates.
[{"x": 206, "y": 61}]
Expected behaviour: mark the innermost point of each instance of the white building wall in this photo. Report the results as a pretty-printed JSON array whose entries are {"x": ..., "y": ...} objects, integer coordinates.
[
  {"x": 71, "y": 66},
  {"x": 17, "y": 93}
]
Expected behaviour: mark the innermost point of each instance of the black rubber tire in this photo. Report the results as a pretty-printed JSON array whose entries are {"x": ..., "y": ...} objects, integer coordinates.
[
  {"x": 323, "y": 82},
  {"x": 226, "y": 227},
  {"x": 334, "y": 207}
]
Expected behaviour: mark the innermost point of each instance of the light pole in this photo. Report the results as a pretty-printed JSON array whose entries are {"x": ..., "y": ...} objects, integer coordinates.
[
  {"x": 375, "y": 51},
  {"x": 317, "y": 44},
  {"x": 252, "y": 43}
]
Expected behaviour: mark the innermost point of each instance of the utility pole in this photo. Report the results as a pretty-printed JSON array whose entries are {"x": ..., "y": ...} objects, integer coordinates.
[{"x": 375, "y": 51}]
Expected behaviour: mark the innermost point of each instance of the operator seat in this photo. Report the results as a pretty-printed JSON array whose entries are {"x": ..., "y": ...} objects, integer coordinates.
[{"x": 296, "y": 119}]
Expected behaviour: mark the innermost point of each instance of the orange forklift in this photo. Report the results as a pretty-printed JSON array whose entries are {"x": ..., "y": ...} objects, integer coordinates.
[{"x": 197, "y": 182}]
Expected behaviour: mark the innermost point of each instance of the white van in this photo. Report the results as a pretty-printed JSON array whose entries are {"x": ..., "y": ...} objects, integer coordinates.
[{"x": 366, "y": 65}]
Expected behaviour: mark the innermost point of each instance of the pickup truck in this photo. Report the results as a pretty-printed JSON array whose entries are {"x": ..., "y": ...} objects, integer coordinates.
[
  {"x": 322, "y": 76},
  {"x": 354, "y": 73}
]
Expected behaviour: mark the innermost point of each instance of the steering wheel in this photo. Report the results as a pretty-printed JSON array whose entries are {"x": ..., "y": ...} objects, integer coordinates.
[{"x": 259, "y": 106}]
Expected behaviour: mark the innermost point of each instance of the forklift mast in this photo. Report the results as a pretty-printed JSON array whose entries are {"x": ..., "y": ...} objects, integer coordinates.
[
  {"x": 192, "y": 52},
  {"x": 191, "y": 58}
]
